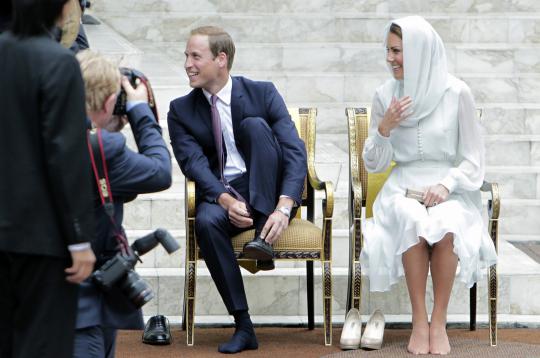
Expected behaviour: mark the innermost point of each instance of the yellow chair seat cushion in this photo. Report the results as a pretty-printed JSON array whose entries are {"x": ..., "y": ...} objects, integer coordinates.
[{"x": 301, "y": 235}]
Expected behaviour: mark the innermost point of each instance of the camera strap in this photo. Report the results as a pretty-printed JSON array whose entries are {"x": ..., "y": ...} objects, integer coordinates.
[{"x": 99, "y": 167}]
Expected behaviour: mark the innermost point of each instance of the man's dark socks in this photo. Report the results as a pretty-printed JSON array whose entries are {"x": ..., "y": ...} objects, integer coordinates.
[{"x": 244, "y": 336}]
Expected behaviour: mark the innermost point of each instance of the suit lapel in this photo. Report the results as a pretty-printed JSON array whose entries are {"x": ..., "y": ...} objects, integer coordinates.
[
  {"x": 203, "y": 108},
  {"x": 237, "y": 107}
]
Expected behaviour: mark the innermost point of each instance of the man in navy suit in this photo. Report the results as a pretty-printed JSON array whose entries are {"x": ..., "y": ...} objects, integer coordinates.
[
  {"x": 130, "y": 173},
  {"x": 263, "y": 166}
]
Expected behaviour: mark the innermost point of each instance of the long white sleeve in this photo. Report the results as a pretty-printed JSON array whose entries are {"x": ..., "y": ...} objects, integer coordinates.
[
  {"x": 378, "y": 150},
  {"x": 470, "y": 158}
]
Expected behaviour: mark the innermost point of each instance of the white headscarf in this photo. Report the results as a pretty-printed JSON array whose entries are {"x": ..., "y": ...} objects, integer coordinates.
[{"x": 425, "y": 73}]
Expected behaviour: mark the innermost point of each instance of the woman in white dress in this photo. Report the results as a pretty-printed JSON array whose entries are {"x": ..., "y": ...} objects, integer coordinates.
[{"x": 424, "y": 119}]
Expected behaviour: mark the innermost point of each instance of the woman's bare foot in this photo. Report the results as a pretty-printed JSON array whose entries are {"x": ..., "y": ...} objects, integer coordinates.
[
  {"x": 438, "y": 339},
  {"x": 419, "y": 341}
]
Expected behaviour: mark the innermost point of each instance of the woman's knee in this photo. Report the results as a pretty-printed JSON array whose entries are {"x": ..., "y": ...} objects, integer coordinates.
[{"x": 446, "y": 241}]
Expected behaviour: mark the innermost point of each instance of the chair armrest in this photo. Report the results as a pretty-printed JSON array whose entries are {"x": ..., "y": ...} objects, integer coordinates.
[
  {"x": 494, "y": 203},
  {"x": 190, "y": 198},
  {"x": 494, "y": 206},
  {"x": 355, "y": 198},
  {"x": 327, "y": 186}
]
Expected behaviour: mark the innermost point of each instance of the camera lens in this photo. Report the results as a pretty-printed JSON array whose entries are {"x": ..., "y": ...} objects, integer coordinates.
[{"x": 136, "y": 289}]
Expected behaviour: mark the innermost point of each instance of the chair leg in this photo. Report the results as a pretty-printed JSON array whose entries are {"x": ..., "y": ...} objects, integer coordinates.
[
  {"x": 190, "y": 301},
  {"x": 492, "y": 288},
  {"x": 472, "y": 308},
  {"x": 309, "y": 289},
  {"x": 184, "y": 306},
  {"x": 327, "y": 302}
]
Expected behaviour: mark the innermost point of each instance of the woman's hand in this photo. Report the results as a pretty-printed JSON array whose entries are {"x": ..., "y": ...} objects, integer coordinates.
[
  {"x": 396, "y": 112},
  {"x": 435, "y": 194}
]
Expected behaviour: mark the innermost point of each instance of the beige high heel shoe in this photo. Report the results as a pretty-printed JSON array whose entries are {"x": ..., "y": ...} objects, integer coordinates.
[
  {"x": 374, "y": 331},
  {"x": 352, "y": 330}
]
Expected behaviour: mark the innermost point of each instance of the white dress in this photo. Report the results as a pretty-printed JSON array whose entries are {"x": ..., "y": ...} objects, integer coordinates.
[{"x": 443, "y": 148}]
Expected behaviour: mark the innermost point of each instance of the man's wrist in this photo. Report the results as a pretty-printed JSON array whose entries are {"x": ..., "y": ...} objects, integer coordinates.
[
  {"x": 225, "y": 200},
  {"x": 285, "y": 210}
]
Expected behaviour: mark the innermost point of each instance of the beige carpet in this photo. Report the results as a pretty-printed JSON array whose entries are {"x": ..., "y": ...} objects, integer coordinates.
[
  {"x": 280, "y": 342},
  {"x": 460, "y": 348}
]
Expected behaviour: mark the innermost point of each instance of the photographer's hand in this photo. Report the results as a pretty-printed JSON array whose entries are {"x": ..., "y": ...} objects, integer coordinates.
[
  {"x": 137, "y": 94},
  {"x": 82, "y": 267}
]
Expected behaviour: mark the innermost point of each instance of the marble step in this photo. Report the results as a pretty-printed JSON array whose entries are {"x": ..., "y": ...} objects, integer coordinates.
[
  {"x": 506, "y": 150},
  {"x": 161, "y": 26},
  {"x": 498, "y": 118},
  {"x": 520, "y": 238},
  {"x": 518, "y": 216},
  {"x": 516, "y": 182},
  {"x": 159, "y": 258},
  {"x": 282, "y": 291},
  {"x": 362, "y": 57},
  {"x": 379, "y": 8},
  {"x": 319, "y": 89},
  {"x": 392, "y": 321}
]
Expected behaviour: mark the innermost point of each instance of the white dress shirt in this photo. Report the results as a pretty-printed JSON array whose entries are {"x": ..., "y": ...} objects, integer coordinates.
[{"x": 235, "y": 165}]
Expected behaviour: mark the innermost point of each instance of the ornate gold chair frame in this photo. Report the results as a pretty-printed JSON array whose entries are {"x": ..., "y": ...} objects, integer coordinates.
[
  {"x": 302, "y": 241},
  {"x": 358, "y": 121}
]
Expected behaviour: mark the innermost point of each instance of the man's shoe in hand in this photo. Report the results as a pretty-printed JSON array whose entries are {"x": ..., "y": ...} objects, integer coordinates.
[
  {"x": 265, "y": 265},
  {"x": 157, "y": 331},
  {"x": 258, "y": 249}
]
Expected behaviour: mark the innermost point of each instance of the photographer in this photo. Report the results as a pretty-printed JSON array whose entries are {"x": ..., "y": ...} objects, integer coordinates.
[
  {"x": 101, "y": 312},
  {"x": 46, "y": 219}
]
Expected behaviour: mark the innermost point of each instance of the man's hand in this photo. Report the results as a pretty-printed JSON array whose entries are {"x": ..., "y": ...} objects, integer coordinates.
[
  {"x": 139, "y": 93},
  {"x": 435, "y": 195},
  {"x": 277, "y": 222},
  {"x": 82, "y": 267},
  {"x": 237, "y": 210}
]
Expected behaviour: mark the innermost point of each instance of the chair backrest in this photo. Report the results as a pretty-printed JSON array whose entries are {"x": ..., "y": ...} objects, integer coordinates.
[
  {"x": 358, "y": 120},
  {"x": 304, "y": 120}
]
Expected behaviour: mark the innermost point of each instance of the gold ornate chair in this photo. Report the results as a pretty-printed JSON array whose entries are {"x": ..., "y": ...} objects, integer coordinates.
[
  {"x": 302, "y": 241},
  {"x": 363, "y": 190}
]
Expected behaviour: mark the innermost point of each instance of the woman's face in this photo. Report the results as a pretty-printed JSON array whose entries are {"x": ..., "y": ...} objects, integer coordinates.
[{"x": 394, "y": 55}]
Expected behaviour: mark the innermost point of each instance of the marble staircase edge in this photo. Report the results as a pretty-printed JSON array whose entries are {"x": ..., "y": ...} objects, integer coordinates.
[
  {"x": 454, "y": 320},
  {"x": 326, "y": 14}
]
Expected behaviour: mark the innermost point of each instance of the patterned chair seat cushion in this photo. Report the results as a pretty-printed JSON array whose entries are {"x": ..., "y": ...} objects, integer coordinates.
[{"x": 301, "y": 235}]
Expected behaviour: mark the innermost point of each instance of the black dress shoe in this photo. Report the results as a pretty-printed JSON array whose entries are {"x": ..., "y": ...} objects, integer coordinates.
[
  {"x": 258, "y": 249},
  {"x": 265, "y": 265},
  {"x": 157, "y": 331}
]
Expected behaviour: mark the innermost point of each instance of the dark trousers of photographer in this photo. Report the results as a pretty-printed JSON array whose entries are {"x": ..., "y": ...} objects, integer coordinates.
[
  {"x": 95, "y": 342},
  {"x": 37, "y": 307}
]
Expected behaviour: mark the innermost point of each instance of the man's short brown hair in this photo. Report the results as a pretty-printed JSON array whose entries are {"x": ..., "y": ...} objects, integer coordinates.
[
  {"x": 101, "y": 78},
  {"x": 219, "y": 41}
]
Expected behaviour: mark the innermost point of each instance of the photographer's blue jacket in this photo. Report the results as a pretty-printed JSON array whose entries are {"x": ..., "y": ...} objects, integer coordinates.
[{"x": 130, "y": 173}]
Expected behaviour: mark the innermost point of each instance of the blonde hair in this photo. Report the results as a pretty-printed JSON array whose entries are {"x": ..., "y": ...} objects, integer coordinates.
[{"x": 101, "y": 78}]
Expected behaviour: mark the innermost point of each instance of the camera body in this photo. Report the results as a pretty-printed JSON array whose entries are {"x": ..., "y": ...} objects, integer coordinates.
[
  {"x": 119, "y": 270},
  {"x": 132, "y": 75}
]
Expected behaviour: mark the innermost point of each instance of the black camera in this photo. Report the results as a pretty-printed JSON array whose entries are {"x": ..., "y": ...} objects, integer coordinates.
[
  {"x": 132, "y": 75},
  {"x": 119, "y": 270}
]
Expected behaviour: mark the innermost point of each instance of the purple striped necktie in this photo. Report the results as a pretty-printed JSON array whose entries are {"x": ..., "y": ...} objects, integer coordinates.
[{"x": 218, "y": 141}]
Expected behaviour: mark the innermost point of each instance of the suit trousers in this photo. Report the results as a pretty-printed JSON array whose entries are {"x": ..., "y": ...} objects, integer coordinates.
[
  {"x": 37, "y": 307},
  {"x": 259, "y": 186},
  {"x": 95, "y": 342}
]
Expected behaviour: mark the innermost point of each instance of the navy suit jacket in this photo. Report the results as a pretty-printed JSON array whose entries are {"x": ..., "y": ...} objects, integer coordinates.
[
  {"x": 130, "y": 173},
  {"x": 190, "y": 129}
]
